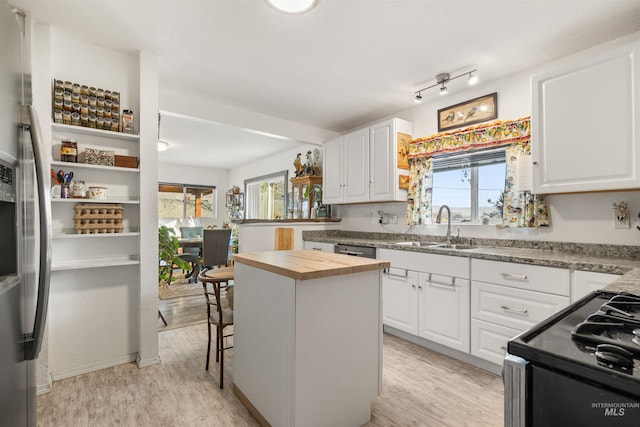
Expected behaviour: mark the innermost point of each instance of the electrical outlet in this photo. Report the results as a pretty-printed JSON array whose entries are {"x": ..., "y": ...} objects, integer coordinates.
[
  {"x": 385, "y": 218},
  {"x": 621, "y": 222},
  {"x": 394, "y": 219}
]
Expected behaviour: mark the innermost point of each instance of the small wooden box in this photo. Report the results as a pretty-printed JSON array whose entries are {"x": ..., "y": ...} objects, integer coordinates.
[{"x": 126, "y": 161}]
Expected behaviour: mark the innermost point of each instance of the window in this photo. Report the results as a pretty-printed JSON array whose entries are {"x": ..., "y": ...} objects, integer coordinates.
[
  {"x": 471, "y": 184},
  {"x": 182, "y": 201},
  {"x": 266, "y": 196}
]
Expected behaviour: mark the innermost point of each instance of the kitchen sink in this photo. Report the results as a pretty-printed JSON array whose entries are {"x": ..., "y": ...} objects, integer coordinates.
[
  {"x": 453, "y": 246},
  {"x": 421, "y": 244}
]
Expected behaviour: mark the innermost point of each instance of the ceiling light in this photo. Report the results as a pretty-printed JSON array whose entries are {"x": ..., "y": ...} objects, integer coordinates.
[
  {"x": 442, "y": 79},
  {"x": 292, "y": 6},
  {"x": 163, "y": 145}
]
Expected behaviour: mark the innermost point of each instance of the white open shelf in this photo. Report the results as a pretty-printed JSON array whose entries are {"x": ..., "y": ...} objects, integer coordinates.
[
  {"x": 110, "y": 201},
  {"x": 71, "y": 234},
  {"x": 79, "y": 130},
  {"x": 84, "y": 263},
  {"x": 68, "y": 165}
]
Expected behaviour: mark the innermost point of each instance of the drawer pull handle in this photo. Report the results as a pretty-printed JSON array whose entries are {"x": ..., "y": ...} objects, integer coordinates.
[
  {"x": 401, "y": 276},
  {"x": 450, "y": 285},
  {"x": 514, "y": 276},
  {"x": 517, "y": 310}
]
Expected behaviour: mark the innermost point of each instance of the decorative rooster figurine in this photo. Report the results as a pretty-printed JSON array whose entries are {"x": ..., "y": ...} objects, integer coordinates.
[{"x": 297, "y": 163}]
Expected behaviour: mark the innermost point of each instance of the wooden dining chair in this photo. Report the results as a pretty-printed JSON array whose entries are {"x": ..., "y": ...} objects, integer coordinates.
[
  {"x": 215, "y": 247},
  {"x": 191, "y": 255},
  {"x": 219, "y": 296}
]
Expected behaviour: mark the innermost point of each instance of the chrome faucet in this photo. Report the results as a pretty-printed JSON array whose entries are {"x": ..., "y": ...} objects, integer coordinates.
[{"x": 439, "y": 218}]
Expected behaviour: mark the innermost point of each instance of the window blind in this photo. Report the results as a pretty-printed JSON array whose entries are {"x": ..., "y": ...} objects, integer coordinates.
[{"x": 454, "y": 161}]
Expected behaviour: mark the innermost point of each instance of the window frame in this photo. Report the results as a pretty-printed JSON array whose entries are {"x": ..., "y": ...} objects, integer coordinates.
[
  {"x": 247, "y": 196},
  {"x": 185, "y": 187},
  {"x": 473, "y": 178}
]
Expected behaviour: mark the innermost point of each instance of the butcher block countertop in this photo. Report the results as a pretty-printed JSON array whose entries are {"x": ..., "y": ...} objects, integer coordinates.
[{"x": 309, "y": 264}]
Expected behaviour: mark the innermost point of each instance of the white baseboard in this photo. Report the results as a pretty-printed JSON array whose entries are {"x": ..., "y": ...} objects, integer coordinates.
[
  {"x": 78, "y": 370},
  {"x": 143, "y": 363},
  {"x": 44, "y": 388}
]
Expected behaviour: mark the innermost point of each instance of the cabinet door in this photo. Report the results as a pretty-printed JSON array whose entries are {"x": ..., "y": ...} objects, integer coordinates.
[
  {"x": 356, "y": 166},
  {"x": 382, "y": 162},
  {"x": 332, "y": 179},
  {"x": 444, "y": 310},
  {"x": 585, "y": 124},
  {"x": 399, "y": 302},
  {"x": 586, "y": 281}
]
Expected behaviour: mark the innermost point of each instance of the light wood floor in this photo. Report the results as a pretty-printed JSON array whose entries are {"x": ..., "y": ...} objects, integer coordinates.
[
  {"x": 421, "y": 388},
  {"x": 182, "y": 311}
]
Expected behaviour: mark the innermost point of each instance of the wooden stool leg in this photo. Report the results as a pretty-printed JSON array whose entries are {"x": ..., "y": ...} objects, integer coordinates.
[
  {"x": 221, "y": 357},
  {"x": 208, "y": 345},
  {"x": 218, "y": 333}
]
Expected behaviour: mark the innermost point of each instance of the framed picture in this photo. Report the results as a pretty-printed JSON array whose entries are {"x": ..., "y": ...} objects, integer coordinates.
[
  {"x": 403, "y": 150},
  {"x": 403, "y": 183},
  {"x": 469, "y": 112}
]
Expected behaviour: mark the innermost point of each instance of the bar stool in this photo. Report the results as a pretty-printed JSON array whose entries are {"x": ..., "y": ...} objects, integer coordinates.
[{"x": 221, "y": 316}]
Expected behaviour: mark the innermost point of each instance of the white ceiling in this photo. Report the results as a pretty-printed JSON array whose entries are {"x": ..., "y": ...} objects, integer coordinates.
[{"x": 345, "y": 63}]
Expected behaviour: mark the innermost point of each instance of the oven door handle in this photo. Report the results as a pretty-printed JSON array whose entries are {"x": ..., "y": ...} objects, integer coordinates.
[{"x": 352, "y": 253}]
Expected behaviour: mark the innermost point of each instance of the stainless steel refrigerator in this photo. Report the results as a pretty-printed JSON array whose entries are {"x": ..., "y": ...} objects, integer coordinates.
[{"x": 25, "y": 218}]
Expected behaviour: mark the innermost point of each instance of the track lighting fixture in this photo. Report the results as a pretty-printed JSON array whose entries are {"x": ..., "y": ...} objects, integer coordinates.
[{"x": 443, "y": 78}]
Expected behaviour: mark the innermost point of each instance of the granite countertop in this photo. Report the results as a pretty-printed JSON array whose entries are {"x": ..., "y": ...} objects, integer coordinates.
[
  {"x": 614, "y": 259},
  {"x": 308, "y": 264}
]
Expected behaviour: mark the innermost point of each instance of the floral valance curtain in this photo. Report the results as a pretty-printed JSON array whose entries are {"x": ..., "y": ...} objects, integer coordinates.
[{"x": 520, "y": 209}]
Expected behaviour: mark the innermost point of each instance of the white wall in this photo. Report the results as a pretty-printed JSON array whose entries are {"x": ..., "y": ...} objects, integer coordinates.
[
  {"x": 181, "y": 174},
  {"x": 584, "y": 218}
]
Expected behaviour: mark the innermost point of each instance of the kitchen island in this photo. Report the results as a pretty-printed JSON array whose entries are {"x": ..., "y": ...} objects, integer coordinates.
[{"x": 307, "y": 337}]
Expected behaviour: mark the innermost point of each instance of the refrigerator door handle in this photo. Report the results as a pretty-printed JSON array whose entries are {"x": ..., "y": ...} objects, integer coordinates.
[{"x": 30, "y": 122}]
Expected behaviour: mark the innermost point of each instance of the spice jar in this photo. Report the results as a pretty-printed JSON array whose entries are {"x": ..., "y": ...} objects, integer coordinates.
[
  {"x": 75, "y": 119},
  {"x": 127, "y": 121},
  {"x": 115, "y": 125},
  {"x": 69, "y": 151},
  {"x": 57, "y": 116},
  {"x": 84, "y": 90},
  {"x": 66, "y": 117}
]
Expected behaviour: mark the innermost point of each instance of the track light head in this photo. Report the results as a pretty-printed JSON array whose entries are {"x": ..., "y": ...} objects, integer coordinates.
[
  {"x": 472, "y": 79},
  {"x": 418, "y": 98},
  {"x": 443, "y": 89}
]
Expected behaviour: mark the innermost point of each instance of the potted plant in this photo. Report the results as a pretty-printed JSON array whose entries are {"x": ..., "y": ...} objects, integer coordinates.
[{"x": 168, "y": 258}]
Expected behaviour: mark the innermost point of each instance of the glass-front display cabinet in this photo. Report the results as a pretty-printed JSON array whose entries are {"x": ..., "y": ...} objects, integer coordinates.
[{"x": 305, "y": 195}]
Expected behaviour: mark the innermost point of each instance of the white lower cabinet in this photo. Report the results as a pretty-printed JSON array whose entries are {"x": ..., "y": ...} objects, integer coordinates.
[
  {"x": 489, "y": 341},
  {"x": 509, "y": 298},
  {"x": 399, "y": 299},
  {"x": 584, "y": 282},
  {"x": 434, "y": 306},
  {"x": 444, "y": 310}
]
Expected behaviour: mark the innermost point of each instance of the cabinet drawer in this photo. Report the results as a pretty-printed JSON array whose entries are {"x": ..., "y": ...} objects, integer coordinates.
[
  {"x": 515, "y": 308},
  {"x": 533, "y": 277},
  {"x": 319, "y": 246},
  {"x": 429, "y": 263},
  {"x": 489, "y": 341}
]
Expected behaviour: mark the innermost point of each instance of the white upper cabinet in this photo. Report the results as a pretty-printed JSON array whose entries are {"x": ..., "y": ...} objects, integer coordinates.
[
  {"x": 585, "y": 123},
  {"x": 361, "y": 166}
]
